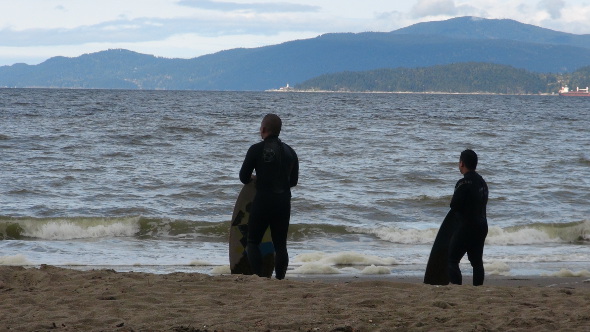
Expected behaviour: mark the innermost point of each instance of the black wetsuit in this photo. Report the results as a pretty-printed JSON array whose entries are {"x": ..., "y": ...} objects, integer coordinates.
[
  {"x": 471, "y": 226},
  {"x": 277, "y": 170}
]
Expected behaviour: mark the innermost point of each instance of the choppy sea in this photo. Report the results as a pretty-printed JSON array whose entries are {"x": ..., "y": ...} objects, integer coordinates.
[{"x": 146, "y": 180}]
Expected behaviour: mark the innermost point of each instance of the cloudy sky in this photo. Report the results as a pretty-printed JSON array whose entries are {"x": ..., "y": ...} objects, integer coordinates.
[{"x": 32, "y": 31}]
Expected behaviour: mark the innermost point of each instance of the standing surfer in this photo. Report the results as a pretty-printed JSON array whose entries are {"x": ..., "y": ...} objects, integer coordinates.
[
  {"x": 277, "y": 170},
  {"x": 469, "y": 208}
]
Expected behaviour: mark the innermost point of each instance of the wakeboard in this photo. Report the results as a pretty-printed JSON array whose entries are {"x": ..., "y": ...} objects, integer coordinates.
[
  {"x": 437, "y": 268},
  {"x": 238, "y": 236}
]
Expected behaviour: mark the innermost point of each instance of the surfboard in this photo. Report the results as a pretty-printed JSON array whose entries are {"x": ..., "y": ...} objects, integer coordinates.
[
  {"x": 238, "y": 237},
  {"x": 437, "y": 269}
]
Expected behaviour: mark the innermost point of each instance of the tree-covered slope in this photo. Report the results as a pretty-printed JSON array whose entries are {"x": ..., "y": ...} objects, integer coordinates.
[{"x": 454, "y": 78}]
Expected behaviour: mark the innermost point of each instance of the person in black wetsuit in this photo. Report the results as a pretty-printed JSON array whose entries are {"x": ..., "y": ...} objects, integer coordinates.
[
  {"x": 277, "y": 170},
  {"x": 471, "y": 226}
]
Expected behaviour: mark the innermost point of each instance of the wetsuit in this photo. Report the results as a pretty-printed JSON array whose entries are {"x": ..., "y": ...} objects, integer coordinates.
[
  {"x": 277, "y": 170},
  {"x": 469, "y": 206}
]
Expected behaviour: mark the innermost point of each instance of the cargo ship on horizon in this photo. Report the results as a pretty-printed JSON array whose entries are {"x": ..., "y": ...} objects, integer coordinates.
[{"x": 565, "y": 91}]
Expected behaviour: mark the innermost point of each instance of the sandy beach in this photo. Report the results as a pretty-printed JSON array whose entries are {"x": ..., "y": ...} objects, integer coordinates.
[{"x": 52, "y": 298}]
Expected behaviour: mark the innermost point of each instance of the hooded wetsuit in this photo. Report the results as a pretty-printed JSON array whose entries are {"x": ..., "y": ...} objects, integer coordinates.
[
  {"x": 469, "y": 206},
  {"x": 277, "y": 170}
]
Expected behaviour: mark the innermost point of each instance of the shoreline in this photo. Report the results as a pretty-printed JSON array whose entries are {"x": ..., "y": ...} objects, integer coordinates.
[
  {"x": 52, "y": 298},
  {"x": 413, "y": 92},
  {"x": 579, "y": 280}
]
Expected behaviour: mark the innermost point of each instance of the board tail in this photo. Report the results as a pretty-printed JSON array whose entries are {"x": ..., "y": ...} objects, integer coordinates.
[{"x": 437, "y": 268}]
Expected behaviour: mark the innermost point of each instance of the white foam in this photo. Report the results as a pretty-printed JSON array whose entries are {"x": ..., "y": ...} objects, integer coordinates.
[
  {"x": 530, "y": 234},
  {"x": 309, "y": 257},
  {"x": 16, "y": 260},
  {"x": 499, "y": 236},
  {"x": 315, "y": 268},
  {"x": 401, "y": 235},
  {"x": 344, "y": 258},
  {"x": 224, "y": 269},
  {"x": 497, "y": 268},
  {"x": 65, "y": 230},
  {"x": 569, "y": 273},
  {"x": 375, "y": 270}
]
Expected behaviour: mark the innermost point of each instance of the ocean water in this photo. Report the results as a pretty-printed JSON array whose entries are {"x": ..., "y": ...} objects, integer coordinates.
[{"x": 146, "y": 180}]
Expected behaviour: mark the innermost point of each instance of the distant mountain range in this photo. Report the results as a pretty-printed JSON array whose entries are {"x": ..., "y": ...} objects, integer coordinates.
[{"x": 458, "y": 40}]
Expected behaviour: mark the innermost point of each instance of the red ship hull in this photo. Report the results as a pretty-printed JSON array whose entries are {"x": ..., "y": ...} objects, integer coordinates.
[{"x": 574, "y": 94}]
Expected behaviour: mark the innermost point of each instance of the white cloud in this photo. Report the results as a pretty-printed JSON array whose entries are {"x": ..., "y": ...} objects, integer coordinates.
[
  {"x": 272, "y": 7},
  {"x": 425, "y": 8},
  {"x": 553, "y": 7}
]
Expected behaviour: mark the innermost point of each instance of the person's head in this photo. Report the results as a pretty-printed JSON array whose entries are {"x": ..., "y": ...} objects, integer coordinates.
[
  {"x": 467, "y": 161},
  {"x": 270, "y": 126}
]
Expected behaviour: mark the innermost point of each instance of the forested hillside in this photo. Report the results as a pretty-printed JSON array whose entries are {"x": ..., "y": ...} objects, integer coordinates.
[{"x": 471, "y": 77}]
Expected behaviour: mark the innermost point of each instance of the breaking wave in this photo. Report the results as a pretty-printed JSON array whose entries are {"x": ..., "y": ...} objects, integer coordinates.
[{"x": 153, "y": 228}]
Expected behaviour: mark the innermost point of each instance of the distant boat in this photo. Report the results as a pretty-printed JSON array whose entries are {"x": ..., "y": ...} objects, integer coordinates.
[{"x": 565, "y": 91}]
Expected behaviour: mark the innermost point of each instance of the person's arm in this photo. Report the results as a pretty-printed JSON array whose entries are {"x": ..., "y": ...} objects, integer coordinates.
[
  {"x": 248, "y": 166},
  {"x": 294, "y": 176},
  {"x": 459, "y": 199}
]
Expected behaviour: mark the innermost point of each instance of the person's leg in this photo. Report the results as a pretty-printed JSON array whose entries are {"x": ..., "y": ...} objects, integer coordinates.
[
  {"x": 279, "y": 228},
  {"x": 475, "y": 255},
  {"x": 475, "y": 258},
  {"x": 456, "y": 252},
  {"x": 257, "y": 226}
]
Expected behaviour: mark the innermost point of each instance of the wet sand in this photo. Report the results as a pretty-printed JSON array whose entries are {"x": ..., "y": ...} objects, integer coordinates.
[{"x": 52, "y": 298}]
